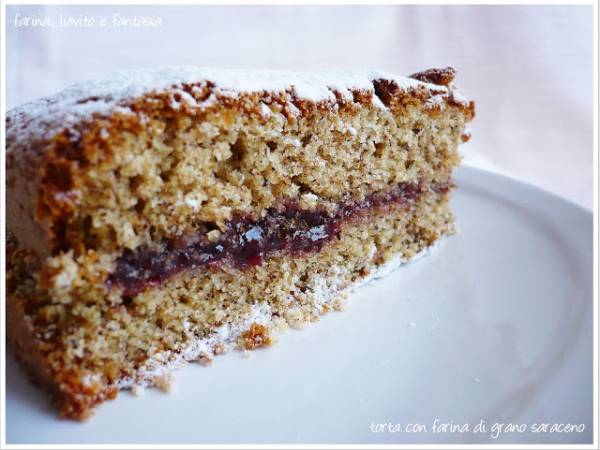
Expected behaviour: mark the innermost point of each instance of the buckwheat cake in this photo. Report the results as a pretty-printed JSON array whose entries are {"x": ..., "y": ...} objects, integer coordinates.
[{"x": 165, "y": 216}]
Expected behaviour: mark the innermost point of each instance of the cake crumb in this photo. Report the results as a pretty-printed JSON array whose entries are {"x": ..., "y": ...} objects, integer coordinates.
[
  {"x": 204, "y": 360},
  {"x": 164, "y": 383},
  {"x": 340, "y": 303},
  {"x": 256, "y": 336},
  {"x": 138, "y": 390},
  {"x": 218, "y": 349},
  {"x": 294, "y": 318}
]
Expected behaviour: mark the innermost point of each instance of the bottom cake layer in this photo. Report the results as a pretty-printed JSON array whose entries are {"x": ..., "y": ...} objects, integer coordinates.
[
  {"x": 248, "y": 332},
  {"x": 196, "y": 316}
]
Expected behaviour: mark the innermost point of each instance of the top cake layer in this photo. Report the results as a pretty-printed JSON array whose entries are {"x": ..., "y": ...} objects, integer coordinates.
[
  {"x": 153, "y": 154},
  {"x": 43, "y": 117}
]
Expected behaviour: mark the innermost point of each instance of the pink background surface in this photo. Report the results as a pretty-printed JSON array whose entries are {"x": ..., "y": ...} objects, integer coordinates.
[{"x": 529, "y": 68}]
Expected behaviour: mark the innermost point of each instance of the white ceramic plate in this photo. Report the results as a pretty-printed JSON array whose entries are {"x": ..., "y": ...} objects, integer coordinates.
[{"x": 494, "y": 325}]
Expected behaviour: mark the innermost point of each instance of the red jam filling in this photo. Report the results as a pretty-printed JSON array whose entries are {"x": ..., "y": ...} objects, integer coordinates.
[{"x": 247, "y": 242}]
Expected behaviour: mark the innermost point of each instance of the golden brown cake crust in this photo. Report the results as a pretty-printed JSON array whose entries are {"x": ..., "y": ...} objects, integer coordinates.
[
  {"x": 71, "y": 398},
  {"x": 441, "y": 77}
]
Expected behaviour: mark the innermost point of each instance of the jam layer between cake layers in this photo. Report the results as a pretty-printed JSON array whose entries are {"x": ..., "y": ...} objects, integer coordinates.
[{"x": 246, "y": 242}]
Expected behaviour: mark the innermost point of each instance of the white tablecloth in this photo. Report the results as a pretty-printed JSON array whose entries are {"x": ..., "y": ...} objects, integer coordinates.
[{"x": 529, "y": 68}]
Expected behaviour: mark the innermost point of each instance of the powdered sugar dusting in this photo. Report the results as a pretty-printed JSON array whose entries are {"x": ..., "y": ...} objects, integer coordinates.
[
  {"x": 222, "y": 340},
  {"x": 437, "y": 101},
  {"x": 41, "y": 118}
]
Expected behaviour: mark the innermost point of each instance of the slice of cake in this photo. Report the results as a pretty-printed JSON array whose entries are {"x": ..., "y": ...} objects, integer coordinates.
[{"x": 165, "y": 216}]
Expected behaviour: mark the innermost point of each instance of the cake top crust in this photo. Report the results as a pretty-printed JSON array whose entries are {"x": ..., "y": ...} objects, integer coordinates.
[{"x": 40, "y": 118}]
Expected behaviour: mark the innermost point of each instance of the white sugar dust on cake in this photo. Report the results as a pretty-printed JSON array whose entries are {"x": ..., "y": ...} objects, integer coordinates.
[{"x": 166, "y": 216}]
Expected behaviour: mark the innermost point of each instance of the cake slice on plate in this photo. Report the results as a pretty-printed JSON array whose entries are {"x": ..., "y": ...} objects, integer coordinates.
[{"x": 165, "y": 216}]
